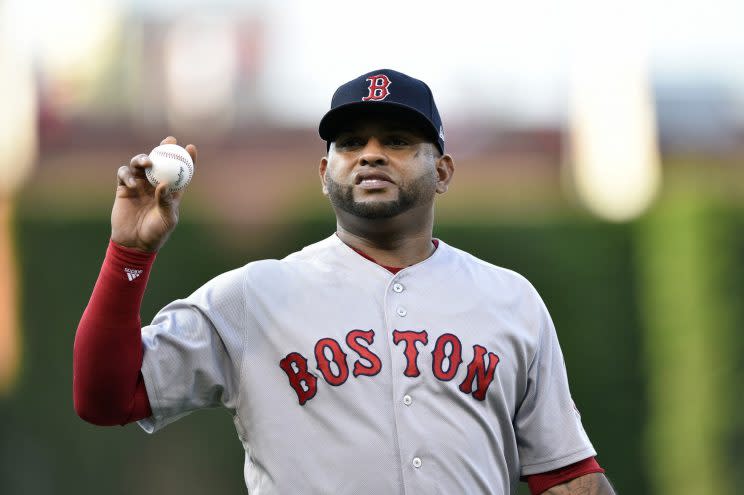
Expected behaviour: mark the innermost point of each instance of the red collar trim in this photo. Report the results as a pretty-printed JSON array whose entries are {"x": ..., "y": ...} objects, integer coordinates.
[{"x": 391, "y": 269}]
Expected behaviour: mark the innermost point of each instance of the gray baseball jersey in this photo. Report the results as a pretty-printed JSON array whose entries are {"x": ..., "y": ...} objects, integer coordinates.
[{"x": 446, "y": 377}]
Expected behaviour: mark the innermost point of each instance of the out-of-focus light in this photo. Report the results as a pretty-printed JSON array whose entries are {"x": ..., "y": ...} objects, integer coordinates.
[
  {"x": 613, "y": 141},
  {"x": 68, "y": 41},
  {"x": 201, "y": 66},
  {"x": 18, "y": 151},
  {"x": 10, "y": 335},
  {"x": 18, "y": 126}
]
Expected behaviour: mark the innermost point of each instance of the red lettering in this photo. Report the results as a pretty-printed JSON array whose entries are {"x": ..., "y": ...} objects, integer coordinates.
[
  {"x": 375, "y": 365},
  {"x": 411, "y": 352},
  {"x": 324, "y": 364},
  {"x": 438, "y": 357},
  {"x": 477, "y": 367},
  {"x": 378, "y": 87},
  {"x": 297, "y": 378}
]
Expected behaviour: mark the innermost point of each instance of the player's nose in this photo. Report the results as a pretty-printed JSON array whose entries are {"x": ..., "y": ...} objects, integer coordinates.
[{"x": 373, "y": 153}]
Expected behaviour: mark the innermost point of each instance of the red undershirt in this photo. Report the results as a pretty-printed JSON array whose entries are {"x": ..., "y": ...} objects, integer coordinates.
[{"x": 108, "y": 387}]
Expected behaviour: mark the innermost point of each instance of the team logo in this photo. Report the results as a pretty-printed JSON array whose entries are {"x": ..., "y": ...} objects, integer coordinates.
[
  {"x": 378, "y": 88},
  {"x": 335, "y": 365},
  {"x": 441, "y": 133}
]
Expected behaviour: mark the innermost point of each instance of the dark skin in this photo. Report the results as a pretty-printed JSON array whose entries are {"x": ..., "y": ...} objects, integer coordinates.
[
  {"x": 144, "y": 216},
  {"x": 404, "y": 156}
]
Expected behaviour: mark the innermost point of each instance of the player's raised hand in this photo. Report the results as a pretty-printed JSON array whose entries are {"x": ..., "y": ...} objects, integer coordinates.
[{"x": 144, "y": 215}]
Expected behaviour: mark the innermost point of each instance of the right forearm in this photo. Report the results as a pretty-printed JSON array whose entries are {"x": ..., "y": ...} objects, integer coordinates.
[
  {"x": 108, "y": 387},
  {"x": 107, "y": 356}
]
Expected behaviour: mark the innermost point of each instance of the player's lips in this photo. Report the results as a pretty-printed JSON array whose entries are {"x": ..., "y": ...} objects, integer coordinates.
[{"x": 372, "y": 180}]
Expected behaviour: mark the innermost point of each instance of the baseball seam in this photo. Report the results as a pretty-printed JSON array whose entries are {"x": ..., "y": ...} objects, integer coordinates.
[
  {"x": 175, "y": 156},
  {"x": 189, "y": 167}
]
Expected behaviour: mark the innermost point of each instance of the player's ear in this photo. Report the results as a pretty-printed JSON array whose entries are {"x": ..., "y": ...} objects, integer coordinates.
[
  {"x": 322, "y": 171},
  {"x": 445, "y": 170}
]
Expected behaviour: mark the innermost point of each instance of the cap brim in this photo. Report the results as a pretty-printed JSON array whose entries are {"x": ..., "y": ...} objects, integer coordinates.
[{"x": 340, "y": 117}]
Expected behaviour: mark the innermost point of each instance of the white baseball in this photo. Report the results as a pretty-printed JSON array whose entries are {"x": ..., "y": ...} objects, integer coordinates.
[{"x": 172, "y": 165}]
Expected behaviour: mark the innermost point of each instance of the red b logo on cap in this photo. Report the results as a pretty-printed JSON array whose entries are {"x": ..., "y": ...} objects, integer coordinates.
[{"x": 378, "y": 88}]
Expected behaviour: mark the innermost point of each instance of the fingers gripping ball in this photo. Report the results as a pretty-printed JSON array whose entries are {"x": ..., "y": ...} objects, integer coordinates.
[{"x": 172, "y": 165}]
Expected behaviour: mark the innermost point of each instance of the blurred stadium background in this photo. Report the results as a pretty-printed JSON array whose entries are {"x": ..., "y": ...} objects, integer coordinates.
[{"x": 599, "y": 152}]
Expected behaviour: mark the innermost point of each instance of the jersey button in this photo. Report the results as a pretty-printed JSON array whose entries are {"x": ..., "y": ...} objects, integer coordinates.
[
  {"x": 416, "y": 462},
  {"x": 397, "y": 287},
  {"x": 407, "y": 400},
  {"x": 402, "y": 312}
]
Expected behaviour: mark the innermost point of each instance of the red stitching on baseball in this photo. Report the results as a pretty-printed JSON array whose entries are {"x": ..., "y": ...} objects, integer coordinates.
[{"x": 168, "y": 154}]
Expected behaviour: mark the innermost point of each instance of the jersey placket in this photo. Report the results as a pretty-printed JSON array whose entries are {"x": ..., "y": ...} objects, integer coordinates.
[{"x": 396, "y": 312}]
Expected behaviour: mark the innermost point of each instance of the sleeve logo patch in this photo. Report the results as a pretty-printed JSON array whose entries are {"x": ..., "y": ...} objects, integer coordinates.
[{"x": 132, "y": 273}]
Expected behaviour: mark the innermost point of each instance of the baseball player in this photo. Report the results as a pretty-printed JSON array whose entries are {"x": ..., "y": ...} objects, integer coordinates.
[{"x": 376, "y": 361}]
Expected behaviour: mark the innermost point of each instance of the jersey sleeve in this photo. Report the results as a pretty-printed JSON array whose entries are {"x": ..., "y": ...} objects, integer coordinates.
[
  {"x": 547, "y": 424},
  {"x": 193, "y": 350}
]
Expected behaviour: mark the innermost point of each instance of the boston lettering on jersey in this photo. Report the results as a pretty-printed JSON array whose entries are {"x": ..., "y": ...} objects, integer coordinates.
[{"x": 477, "y": 379}]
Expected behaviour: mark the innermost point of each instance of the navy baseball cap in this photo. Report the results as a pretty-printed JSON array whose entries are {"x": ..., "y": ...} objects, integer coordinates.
[{"x": 384, "y": 92}]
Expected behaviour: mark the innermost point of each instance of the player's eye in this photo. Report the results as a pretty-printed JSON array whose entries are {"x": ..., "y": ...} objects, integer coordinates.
[
  {"x": 397, "y": 141},
  {"x": 347, "y": 142}
]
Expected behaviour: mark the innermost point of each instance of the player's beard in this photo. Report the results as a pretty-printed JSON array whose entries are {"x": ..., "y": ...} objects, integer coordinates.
[{"x": 419, "y": 191}]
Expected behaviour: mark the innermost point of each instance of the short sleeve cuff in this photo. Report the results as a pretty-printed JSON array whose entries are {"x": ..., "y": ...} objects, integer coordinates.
[
  {"x": 539, "y": 483},
  {"x": 541, "y": 467}
]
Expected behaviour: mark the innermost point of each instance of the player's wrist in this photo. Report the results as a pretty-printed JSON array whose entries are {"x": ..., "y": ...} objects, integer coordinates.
[
  {"x": 130, "y": 255},
  {"x": 138, "y": 245}
]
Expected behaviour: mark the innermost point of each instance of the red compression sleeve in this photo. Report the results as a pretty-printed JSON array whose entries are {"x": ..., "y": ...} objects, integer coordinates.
[
  {"x": 541, "y": 482},
  {"x": 108, "y": 388}
]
